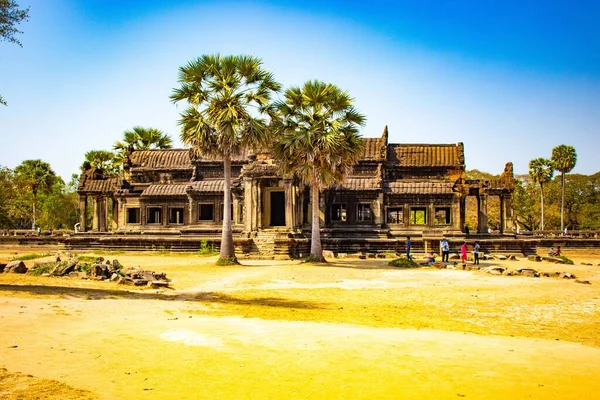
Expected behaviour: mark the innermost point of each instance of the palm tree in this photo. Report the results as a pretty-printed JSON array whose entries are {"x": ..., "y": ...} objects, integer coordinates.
[
  {"x": 319, "y": 141},
  {"x": 227, "y": 97},
  {"x": 564, "y": 159},
  {"x": 36, "y": 175},
  {"x": 141, "y": 138},
  {"x": 102, "y": 160},
  {"x": 541, "y": 171}
]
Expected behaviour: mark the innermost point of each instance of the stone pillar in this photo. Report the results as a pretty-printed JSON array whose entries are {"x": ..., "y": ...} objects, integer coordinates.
[
  {"x": 430, "y": 215},
  {"x": 509, "y": 212},
  {"x": 482, "y": 220},
  {"x": 102, "y": 214},
  {"x": 406, "y": 214},
  {"x": 95, "y": 220},
  {"x": 463, "y": 213},
  {"x": 502, "y": 215},
  {"x": 121, "y": 222},
  {"x": 190, "y": 211},
  {"x": 82, "y": 212},
  {"x": 322, "y": 210},
  {"x": 379, "y": 211},
  {"x": 289, "y": 203},
  {"x": 115, "y": 215}
]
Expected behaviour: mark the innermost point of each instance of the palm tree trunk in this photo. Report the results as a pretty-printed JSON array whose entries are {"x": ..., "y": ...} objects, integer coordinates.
[
  {"x": 34, "y": 212},
  {"x": 562, "y": 201},
  {"x": 542, "y": 195},
  {"x": 316, "y": 251},
  {"x": 227, "y": 249}
]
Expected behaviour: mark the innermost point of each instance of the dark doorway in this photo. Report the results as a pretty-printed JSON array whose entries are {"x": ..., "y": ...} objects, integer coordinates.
[{"x": 277, "y": 209}]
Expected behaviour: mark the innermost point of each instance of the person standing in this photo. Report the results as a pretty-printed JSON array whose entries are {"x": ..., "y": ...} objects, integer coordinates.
[
  {"x": 476, "y": 248},
  {"x": 463, "y": 253},
  {"x": 445, "y": 250},
  {"x": 408, "y": 245}
]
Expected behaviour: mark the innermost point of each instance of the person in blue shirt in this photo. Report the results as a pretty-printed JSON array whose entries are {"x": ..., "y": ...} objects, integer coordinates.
[
  {"x": 408, "y": 245},
  {"x": 445, "y": 250}
]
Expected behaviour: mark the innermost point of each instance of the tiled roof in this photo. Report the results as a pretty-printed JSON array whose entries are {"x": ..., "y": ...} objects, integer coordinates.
[
  {"x": 209, "y": 185},
  {"x": 374, "y": 149},
  {"x": 99, "y": 185},
  {"x": 402, "y": 187},
  {"x": 354, "y": 183},
  {"x": 162, "y": 159},
  {"x": 426, "y": 155},
  {"x": 165, "y": 190},
  {"x": 243, "y": 156}
]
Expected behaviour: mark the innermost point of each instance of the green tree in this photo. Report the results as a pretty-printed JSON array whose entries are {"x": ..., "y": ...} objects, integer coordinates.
[
  {"x": 103, "y": 160},
  {"x": 10, "y": 16},
  {"x": 541, "y": 171},
  {"x": 318, "y": 140},
  {"x": 140, "y": 138},
  {"x": 524, "y": 204},
  {"x": 37, "y": 176},
  {"x": 59, "y": 208},
  {"x": 564, "y": 159},
  {"x": 227, "y": 97}
]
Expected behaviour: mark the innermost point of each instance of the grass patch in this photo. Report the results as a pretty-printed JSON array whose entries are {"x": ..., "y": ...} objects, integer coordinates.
[
  {"x": 566, "y": 260},
  {"x": 30, "y": 256},
  {"x": 42, "y": 268},
  {"x": 403, "y": 263},
  {"x": 90, "y": 259},
  {"x": 223, "y": 262}
]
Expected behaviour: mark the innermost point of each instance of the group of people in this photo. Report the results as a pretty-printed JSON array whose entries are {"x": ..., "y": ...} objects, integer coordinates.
[
  {"x": 554, "y": 252},
  {"x": 445, "y": 247}
]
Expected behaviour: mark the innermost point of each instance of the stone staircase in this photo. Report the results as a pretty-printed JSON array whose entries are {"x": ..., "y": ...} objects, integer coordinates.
[{"x": 273, "y": 244}]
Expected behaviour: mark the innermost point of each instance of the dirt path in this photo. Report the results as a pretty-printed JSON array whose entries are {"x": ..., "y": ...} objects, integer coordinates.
[{"x": 352, "y": 329}]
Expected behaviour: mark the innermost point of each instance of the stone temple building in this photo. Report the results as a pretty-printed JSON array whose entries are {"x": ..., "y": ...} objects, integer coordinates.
[{"x": 394, "y": 190}]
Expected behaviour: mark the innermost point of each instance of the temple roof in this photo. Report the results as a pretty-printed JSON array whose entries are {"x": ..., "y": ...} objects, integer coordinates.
[
  {"x": 407, "y": 187},
  {"x": 165, "y": 190},
  {"x": 163, "y": 159},
  {"x": 209, "y": 185},
  {"x": 98, "y": 185},
  {"x": 356, "y": 183},
  {"x": 426, "y": 155},
  {"x": 374, "y": 149}
]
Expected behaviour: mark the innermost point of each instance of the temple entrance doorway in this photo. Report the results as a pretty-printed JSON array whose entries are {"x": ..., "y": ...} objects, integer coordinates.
[{"x": 277, "y": 208}]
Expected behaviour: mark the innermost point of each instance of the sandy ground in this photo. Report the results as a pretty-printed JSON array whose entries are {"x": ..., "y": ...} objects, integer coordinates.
[{"x": 284, "y": 330}]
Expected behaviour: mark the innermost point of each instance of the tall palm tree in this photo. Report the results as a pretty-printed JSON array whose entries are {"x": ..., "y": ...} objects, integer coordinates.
[
  {"x": 102, "y": 160},
  {"x": 141, "y": 138},
  {"x": 541, "y": 171},
  {"x": 35, "y": 175},
  {"x": 319, "y": 141},
  {"x": 227, "y": 97},
  {"x": 564, "y": 159}
]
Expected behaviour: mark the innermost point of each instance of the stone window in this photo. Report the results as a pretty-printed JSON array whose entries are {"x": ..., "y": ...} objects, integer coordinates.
[
  {"x": 133, "y": 215},
  {"x": 363, "y": 213},
  {"x": 154, "y": 215},
  {"x": 206, "y": 212},
  {"x": 442, "y": 216},
  {"x": 176, "y": 215},
  {"x": 395, "y": 215},
  {"x": 338, "y": 212},
  {"x": 418, "y": 216}
]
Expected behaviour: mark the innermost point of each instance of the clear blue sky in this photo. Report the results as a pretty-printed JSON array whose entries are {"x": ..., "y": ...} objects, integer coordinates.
[{"x": 510, "y": 79}]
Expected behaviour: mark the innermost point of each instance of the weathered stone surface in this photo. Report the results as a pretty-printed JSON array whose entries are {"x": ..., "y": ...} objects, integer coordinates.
[
  {"x": 124, "y": 280},
  {"x": 488, "y": 257},
  {"x": 140, "y": 282},
  {"x": 534, "y": 257},
  {"x": 158, "y": 284},
  {"x": 114, "y": 277},
  {"x": 588, "y": 264},
  {"x": 342, "y": 255},
  {"x": 328, "y": 254},
  {"x": 15, "y": 267},
  {"x": 501, "y": 257},
  {"x": 471, "y": 267},
  {"x": 554, "y": 260},
  {"x": 493, "y": 269},
  {"x": 512, "y": 257},
  {"x": 532, "y": 273},
  {"x": 99, "y": 270},
  {"x": 454, "y": 256},
  {"x": 509, "y": 272},
  {"x": 116, "y": 265},
  {"x": 439, "y": 265},
  {"x": 566, "y": 275},
  {"x": 585, "y": 282},
  {"x": 78, "y": 275}
]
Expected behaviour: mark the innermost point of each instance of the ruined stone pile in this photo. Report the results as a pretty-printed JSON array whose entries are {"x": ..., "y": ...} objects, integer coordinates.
[{"x": 95, "y": 269}]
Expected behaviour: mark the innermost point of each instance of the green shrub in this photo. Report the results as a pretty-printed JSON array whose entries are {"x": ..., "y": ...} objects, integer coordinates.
[
  {"x": 30, "y": 256},
  {"x": 566, "y": 260},
  {"x": 90, "y": 259},
  {"x": 42, "y": 268},
  {"x": 207, "y": 249},
  {"x": 403, "y": 263}
]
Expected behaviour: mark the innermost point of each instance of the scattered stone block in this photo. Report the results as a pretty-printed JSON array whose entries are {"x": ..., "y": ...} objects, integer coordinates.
[
  {"x": 501, "y": 257},
  {"x": 534, "y": 257},
  {"x": 588, "y": 264},
  {"x": 493, "y": 269},
  {"x": 114, "y": 277},
  {"x": 566, "y": 275},
  {"x": 454, "y": 256},
  {"x": 15, "y": 267},
  {"x": 532, "y": 273},
  {"x": 328, "y": 254},
  {"x": 585, "y": 282},
  {"x": 512, "y": 257},
  {"x": 554, "y": 260},
  {"x": 158, "y": 284},
  {"x": 342, "y": 255}
]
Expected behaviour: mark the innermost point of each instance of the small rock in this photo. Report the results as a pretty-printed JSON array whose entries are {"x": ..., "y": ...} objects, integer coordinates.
[
  {"x": 140, "y": 282},
  {"x": 328, "y": 254},
  {"x": 114, "y": 277},
  {"x": 589, "y": 264},
  {"x": 532, "y": 273},
  {"x": 501, "y": 257},
  {"x": 157, "y": 284},
  {"x": 534, "y": 257},
  {"x": 583, "y": 282},
  {"x": 342, "y": 255},
  {"x": 512, "y": 257},
  {"x": 566, "y": 275}
]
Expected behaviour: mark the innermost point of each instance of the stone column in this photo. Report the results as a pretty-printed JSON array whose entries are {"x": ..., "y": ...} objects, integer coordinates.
[
  {"x": 406, "y": 214},
  {"x": 379, "y": 211},
  {"x": 509, "y": 212},
  {"x": 430, "y": 215},
  {"x": 95, "y": 220},
  {"x": 102, "y": 214},
  {"x": 289, "y": 203},
  {"x": 482, "y": 220},
  {"x": 463, "y": 212},
  {"x": 190, "y": 210},
  {"x": 82, "y": 212},
  {"x": 502, "y": 216},
  {"x": 115, "y": 215}
]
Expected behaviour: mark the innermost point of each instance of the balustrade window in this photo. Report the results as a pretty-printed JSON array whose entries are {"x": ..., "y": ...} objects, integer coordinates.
[
  {"x": 176, "y": 215},
  {"x": 363, "y": 213},
  {"x": 133, "y": 215},
  {"x": 206, "y": 212},
  {"x": 394, "y": 215},
  {"x": 154, "y": 215},
  {"x": 418, "y": 216},
  {"x": 338, "y": 212},
  {"x": 442, "y": 216}
]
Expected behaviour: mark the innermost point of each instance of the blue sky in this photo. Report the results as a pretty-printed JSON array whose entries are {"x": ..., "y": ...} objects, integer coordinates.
[{"x": 510, "y": 79}]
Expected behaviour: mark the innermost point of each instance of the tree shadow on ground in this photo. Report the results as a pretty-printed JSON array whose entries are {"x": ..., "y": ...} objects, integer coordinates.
[{"x": 65, "y": 292}]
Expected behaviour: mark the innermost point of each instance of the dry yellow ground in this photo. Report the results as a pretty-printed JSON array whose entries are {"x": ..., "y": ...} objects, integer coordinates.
[{"x": 285, "y": 330}]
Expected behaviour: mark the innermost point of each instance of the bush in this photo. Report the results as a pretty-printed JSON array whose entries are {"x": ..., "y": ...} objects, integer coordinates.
[
  {"x": 222, "y": 262},
  {"x": 403, "y": 263},
  {"x": 566, "y": 260},
  {"x": 43, "y": 268},
  {"x": 207, "y": 249}
]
